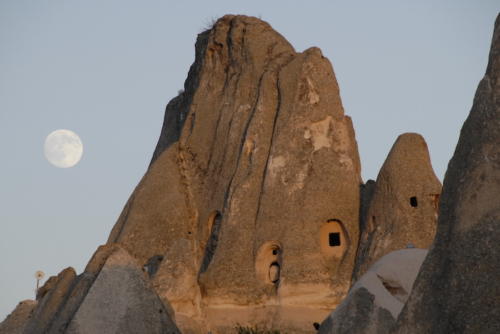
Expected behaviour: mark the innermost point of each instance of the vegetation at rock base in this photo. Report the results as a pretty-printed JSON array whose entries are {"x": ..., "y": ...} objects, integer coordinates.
[{"x": 254, "y": 330}]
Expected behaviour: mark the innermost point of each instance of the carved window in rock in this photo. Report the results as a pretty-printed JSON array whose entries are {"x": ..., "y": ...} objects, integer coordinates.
[
  {"x": 334, "y": 241},
  {"x": 413, "y": 201},
  {"x": 268, "y": 262},
  {"x": 214, "y": 225}
]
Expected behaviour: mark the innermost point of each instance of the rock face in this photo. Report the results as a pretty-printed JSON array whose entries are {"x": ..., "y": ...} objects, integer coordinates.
[
  {"x": 15, "y": 322},
  {"x": 53, "y": 299},
  {"x": 113, "y": 295},
  {"x": 375, "y": 301},
  {"x": 404, "y": 205},
  {"x": 120, "y": 301},
  {"x": 252, "y": 195},
  {"x": 458, "y": 290}
]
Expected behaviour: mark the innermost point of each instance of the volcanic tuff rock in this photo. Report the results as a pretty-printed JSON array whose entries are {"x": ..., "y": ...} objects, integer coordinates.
[
  {"x": 47, "y": 307},
  {"x": 16, "y": 321},
  {"x": 121, "y": 301},
  {"x": 403, "y": 207},
  {"x": 250, "y": 209},
  {"x": 457, "y": 289},
  {"x": 112, "y": 295},
  {"x": 255, "y": 167},
  {"x": 375, "y": 301}
]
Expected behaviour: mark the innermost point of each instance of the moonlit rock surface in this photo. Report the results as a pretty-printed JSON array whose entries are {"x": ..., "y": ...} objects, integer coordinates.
[{"x": 63, "y": 148}]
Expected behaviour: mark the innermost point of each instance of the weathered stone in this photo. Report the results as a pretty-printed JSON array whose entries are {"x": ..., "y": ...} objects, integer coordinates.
[
  {"x": 255, "y": 157},
  {"x": 80, "y": 288},
  {"x": 46, "y": 287},
  {"x": 53, "y": 299},
  {"x": 457, "y": 289},
  {"x": 121, "y": 300},
  {"x": 403, "y": 208},
  {"x": 375, "y": 301},
  {"x": 16, "y": 321}
]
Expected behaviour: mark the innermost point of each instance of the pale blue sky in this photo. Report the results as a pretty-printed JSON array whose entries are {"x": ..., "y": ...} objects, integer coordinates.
[{"x": 106, "y": 70}]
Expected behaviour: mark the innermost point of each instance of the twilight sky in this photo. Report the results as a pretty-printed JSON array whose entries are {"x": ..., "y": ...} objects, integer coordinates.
[{"x": 106, "y": 70}]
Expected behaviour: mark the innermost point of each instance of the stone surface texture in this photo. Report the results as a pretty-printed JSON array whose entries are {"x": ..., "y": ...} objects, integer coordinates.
[
  {"x": 112, "y": 295},
  {"x": 120, "y": 300},
  {"x": 375, "y": 301},
  {"x": 16, "y": 321},
  {"x": 404, "y": 206},
  {"x": 253, "y": 212},
  {"x": 46, "y": 309},
  {"x": 457, "y": 289},
  {"x": 258, "y": 139}
]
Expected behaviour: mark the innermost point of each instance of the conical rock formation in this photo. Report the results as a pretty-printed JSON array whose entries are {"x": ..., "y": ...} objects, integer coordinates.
[
  {"x": 457, "y": 289},
  {"x": 253, "y": 190},
  {"x": 404, "y": 206}
]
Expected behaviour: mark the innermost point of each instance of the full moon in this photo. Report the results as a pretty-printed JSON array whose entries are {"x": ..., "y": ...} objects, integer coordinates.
[{"x": 63, "y": 148}]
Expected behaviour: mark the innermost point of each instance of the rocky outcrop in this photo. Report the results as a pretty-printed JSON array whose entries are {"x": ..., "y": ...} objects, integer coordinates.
[
  {"x": 53, "y": 299},
  {"x": 120, "y": 300},
  {"x": 404, "y": 206},
  {"x": 112, "y": 295},
  {"x": 15, "y": 322},
  {"x": 253, "y": 189},
  {"x": 375, "y": 301},
  {"x": 458, "y": 290}
]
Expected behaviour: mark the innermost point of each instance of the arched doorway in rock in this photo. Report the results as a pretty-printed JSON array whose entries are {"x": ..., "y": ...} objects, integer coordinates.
[
  {"x": 268, "y": 262},
  {"x": 214, "y": 224},
  {"x": 333, "y": 238}
]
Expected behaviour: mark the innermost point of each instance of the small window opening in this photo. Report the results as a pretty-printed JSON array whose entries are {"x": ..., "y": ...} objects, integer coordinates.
[
  {"x": 268, "y": 262},
  {"x": 334, "y": 239},
  {"x": 413, "y": 201},
  {"x": 274, "y": 272}
]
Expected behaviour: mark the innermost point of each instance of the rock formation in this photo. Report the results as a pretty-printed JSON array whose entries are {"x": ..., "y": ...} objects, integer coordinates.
[
  {"x": 112, "y": 295},
  {"x": 375, "y": 301},
  {"x": 251, "y": 209},
  {"x": 120, "y": 301},
  {"x": 403, "y": 208},
  {"x": 252, "y": 196},
  {"x": 15, "y": 322},
  {"x": 457, "y": 289}
]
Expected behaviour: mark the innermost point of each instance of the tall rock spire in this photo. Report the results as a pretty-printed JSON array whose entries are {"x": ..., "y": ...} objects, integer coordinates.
[
  {"x": 252, "y": 196},
  {"x": 457, "y": 289}
]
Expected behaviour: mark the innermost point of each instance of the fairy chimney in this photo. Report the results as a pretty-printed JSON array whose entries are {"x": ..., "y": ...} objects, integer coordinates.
[
  {"x": 252, "y": 195},
  {"x": 403, "y": 209}
]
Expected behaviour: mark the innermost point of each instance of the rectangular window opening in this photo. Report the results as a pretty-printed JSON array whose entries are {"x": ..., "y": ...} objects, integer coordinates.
[{"x": 334, "y": 239}]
